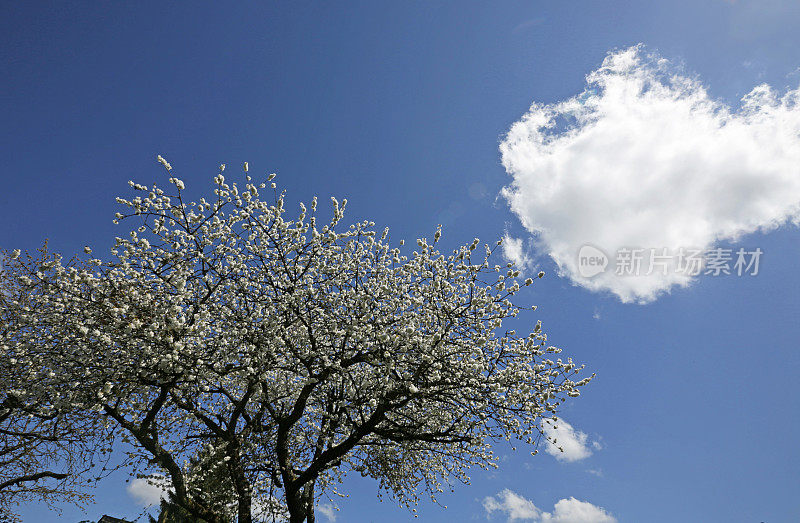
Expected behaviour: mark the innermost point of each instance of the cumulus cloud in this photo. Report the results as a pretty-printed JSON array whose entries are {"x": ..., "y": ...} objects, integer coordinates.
[
  {"x": 575, "y": 511},
  {"x": 518, "y": 508},
  {"x": 146, "y": 492},
  {"x": 565, "y": 442},
  {"x": 645, "y": 159},
  {"x": 515, "y": 506}
]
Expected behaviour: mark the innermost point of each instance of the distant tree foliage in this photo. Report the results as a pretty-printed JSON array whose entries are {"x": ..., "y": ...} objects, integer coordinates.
[{"x": 276, "y": 355}]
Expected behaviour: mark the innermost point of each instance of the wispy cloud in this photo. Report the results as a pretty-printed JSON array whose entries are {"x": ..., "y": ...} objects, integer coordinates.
[
  {"x": 527, "y": 24},
  {"x": 645, "y": 158},
  {"x": 514, "y": 250},
  {"x": 327, "y": 510},
  {"x": 518, "y": 508}
]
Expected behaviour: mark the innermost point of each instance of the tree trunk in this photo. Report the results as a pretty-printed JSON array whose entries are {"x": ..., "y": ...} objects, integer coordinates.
[
  {"x": 308, "y": 494},
  {"x": 245, "y": 513},
  {"x": 297, "y": 507},
  {"x": 241, "y": 485}
]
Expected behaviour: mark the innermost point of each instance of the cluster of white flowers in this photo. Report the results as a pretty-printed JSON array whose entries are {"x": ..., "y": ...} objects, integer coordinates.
[{"x": 290, "y": 351}]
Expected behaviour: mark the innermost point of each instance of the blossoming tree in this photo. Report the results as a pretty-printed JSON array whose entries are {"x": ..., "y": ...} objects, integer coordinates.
[
  {"x": 281, "y": 354},
  {"x": 46, "y": 450}
]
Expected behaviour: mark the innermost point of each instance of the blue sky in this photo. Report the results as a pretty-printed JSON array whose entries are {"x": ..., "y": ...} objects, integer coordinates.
[{"x": 402, "y": 107}]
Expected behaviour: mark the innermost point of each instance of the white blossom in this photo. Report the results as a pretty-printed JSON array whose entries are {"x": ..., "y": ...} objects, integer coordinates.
[
  {"x": 240, "y": 336},
  {"x": 163, "y": 162}
]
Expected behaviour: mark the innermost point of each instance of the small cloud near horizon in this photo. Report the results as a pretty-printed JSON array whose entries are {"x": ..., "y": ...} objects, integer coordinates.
[{"x": 518, "y": 508}]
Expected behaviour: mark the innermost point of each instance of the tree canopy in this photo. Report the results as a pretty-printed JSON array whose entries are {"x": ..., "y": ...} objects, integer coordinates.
[
  {"x": 47, "y": 452},
  {"x": 278, "y": 355}
]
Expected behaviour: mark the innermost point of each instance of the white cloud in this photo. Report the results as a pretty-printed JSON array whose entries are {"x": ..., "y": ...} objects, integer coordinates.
[
  {"x": 644, "y": 158},
  {"x": 569, "y": 510},
  {"x": 147, "y": 493},
  {"x": 514, "y": 505},
  {"x": 575, "y": 444},
  {"x": 514, "y": 250},
  {"x": 575, "y": 511},
  {"x": 327, "y": 510}
]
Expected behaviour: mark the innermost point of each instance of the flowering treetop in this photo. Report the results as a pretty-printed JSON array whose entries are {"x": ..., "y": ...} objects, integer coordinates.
[{"x": 280, "y": 354}]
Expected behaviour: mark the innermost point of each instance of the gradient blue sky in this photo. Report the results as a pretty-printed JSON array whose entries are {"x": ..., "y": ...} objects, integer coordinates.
[{"x": 400, "y": 107}]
